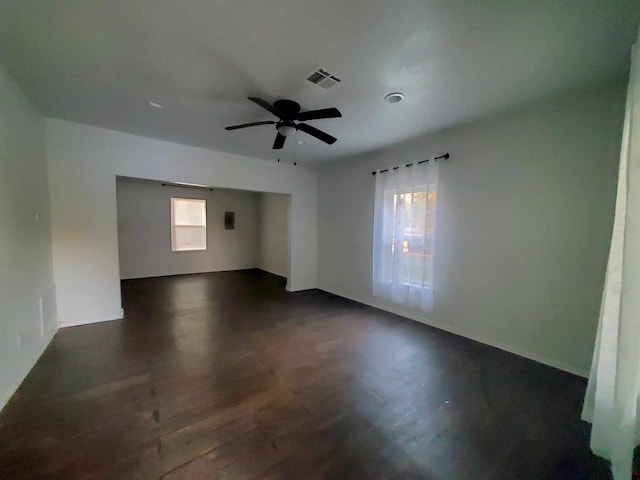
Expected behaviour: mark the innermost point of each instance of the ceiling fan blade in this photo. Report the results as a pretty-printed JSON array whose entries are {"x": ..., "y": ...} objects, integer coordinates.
[
  {"x": 245, "y": 125},
  {"x": 267, "y": 106},
  {"x": 279, "y": 143},
  {"x": 317, "y": 114},
  {"x": 319, "y": 134}
]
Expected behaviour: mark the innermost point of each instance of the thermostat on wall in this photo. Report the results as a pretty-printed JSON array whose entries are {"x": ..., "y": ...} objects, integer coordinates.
[{"x": 229, "y": 220}]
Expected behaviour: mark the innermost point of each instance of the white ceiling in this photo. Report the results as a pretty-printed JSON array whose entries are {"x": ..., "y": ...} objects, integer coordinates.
[{"x": 100, "y": 62}]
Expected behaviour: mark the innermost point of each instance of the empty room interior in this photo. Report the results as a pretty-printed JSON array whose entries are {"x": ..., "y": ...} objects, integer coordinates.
[{"x": 318, "y": 239}]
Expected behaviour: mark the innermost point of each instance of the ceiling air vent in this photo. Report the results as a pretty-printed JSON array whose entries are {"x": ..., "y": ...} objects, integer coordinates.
[{"x": 323, "y": 79}]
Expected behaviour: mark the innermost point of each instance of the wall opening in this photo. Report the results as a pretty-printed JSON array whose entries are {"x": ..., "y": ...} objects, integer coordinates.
[{"x": 258, "y": 237}]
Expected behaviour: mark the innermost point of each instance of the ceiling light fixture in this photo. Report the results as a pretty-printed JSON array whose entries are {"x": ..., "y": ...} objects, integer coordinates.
[
  {"x": 302, "y": 142},
  {"x": 286, "y": 130},
  {"x": 394, "y": 97},
  {"x": 156, "y": 105}
]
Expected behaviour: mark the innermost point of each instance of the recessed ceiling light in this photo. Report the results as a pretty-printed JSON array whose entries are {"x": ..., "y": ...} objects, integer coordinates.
[
  {"x": 156, "y": 105},
  {"x": 302, "y": 142},
  {"x": 394, "y": 97}
]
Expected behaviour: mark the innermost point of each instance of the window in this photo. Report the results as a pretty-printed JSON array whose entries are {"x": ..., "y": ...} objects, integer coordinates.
[
  {"x": 408, "y": 246},
  {"x": 188, "y": 224},
  {"x": 404, "y": 233}
]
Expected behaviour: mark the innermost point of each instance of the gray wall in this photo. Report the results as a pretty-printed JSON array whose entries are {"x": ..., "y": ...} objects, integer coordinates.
[
  {"x": 144, "y": 230},
  {"x": 26, "y": 277},
  {"x": 274, "y": 233},
  {"x": 525, "y": 211}
]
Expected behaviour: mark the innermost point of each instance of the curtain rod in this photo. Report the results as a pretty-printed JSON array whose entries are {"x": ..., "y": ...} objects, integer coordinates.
[
  {"x": 445, "y": 157},
  {"x": 186, "y": 185}
]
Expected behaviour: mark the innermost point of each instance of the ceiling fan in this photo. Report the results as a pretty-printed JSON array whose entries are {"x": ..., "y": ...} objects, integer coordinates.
[{"x": 289, "y": 113}]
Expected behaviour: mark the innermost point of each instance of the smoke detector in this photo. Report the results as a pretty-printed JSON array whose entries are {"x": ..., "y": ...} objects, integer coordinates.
[{"x": 394, "y": 97}]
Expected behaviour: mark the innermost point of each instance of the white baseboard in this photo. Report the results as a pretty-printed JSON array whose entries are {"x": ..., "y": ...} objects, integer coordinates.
[
  {"x": 48, "y": 336},
  {"x": 492, "y": 343},
  {"x": 77, "y": 323},
  {"x": 179, "y": 274}
]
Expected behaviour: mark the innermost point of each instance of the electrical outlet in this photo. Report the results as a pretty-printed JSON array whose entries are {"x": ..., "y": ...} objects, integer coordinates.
[
  {"x": 37, "y": 217},
  {"x": 19, "y": 340}
]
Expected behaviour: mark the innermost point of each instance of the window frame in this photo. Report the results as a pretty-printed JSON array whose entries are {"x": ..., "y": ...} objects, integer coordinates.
[{"x": 173, "y": 225}]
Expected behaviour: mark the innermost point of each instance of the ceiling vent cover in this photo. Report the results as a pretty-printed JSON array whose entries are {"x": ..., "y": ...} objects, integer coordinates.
[{"x": 323, "y": 79}]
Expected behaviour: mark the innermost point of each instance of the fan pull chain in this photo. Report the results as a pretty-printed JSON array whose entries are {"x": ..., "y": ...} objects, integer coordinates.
[{"x": 295, "y": 148}]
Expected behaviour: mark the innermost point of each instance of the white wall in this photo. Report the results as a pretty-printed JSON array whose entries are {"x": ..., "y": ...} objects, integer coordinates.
[
  {"x": 83, "y": 163},
  {"x": 25, "y": 245},
  {"x": 144, "y": 230},
  {"x": 525, "y": 210},
  {"x": 274, "y": 233}
]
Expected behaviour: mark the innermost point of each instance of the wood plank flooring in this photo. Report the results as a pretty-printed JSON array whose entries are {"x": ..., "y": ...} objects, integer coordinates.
[{"x": 227, "y": 376}]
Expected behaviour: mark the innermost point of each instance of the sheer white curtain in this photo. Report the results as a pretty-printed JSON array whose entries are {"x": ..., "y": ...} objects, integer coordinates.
[
  {"x": 404, "y": 233},
  {"x": 611, "y": 403}
]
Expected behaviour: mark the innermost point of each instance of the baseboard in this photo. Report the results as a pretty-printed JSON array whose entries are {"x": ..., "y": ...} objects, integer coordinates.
[
  {"x": 48, "y": 336},
  {"x": 72, "y": 323},
  {"x": 492, "y": 343},
  {"x": 167, "y": 275},
  {"x": 272, "y": 272}
]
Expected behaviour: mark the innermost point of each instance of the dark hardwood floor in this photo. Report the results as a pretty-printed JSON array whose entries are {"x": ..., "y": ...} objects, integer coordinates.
[{"x": 227, "y": 376}]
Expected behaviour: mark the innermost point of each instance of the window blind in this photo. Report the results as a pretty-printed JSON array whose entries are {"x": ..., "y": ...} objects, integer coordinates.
[{"x": 188, "y": 224}]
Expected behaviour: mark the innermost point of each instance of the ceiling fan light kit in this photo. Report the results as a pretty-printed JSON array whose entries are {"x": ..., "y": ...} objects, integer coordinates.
[
  {"x": 288, "y": 113},
  {"x": 286, "y": 130}
]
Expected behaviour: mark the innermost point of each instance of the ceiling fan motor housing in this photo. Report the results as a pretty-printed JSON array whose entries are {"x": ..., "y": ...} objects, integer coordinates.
[{"x": 288, "y": 107}]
